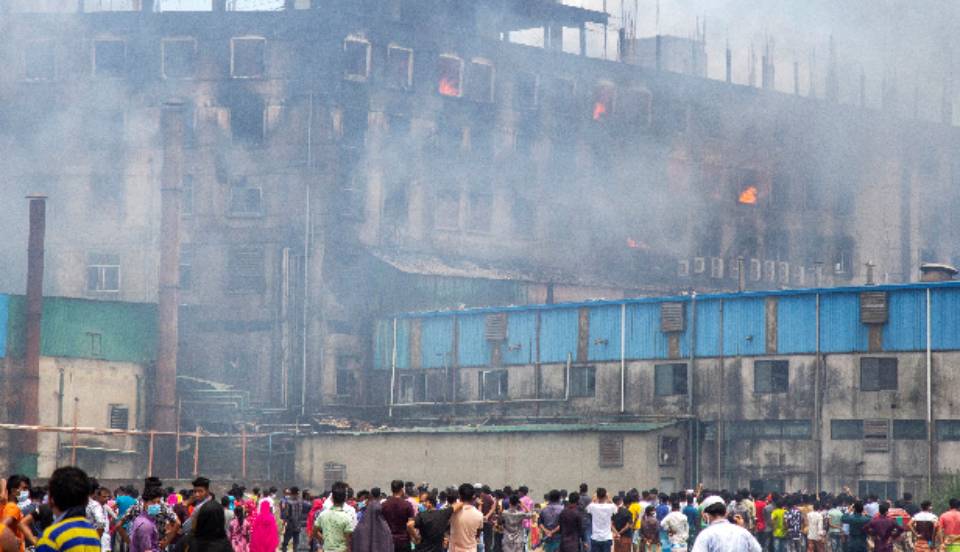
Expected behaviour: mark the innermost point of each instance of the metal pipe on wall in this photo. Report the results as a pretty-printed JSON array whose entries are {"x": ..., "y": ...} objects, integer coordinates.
[
  {"x": 393, "y": 369},
  {"x": 30, "y": 392},
  {"x": 307, "y": 224},
  {"x": 694, "y": 427},
  {"x": 566, "y": 377},
  {"x": 623, "y": 357},
  {"x": 930, "y": 445},
  {"x": 817, "y": 402}
]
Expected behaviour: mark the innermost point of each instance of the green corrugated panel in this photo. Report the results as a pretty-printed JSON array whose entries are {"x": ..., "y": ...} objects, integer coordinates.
[{"x": 81, "y": 328}]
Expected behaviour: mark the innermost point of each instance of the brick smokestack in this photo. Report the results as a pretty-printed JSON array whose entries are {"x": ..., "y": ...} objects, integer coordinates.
[
  {"x": 165, "y": 375},
  {"x": 30, "y": 397}
]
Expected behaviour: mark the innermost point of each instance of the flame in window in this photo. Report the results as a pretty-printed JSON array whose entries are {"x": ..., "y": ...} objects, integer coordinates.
[
  {"x": 748, "y": 196},
  {"x": 448, "y": 87},
  {"x": 599, "y": 110}
]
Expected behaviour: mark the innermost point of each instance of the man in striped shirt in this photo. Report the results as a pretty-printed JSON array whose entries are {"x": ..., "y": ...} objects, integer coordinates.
[{"x": 71, "y": 532}]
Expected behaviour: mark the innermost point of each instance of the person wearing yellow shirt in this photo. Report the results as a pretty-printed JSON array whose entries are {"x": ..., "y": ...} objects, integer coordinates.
[{"x": 778, "y": 518}]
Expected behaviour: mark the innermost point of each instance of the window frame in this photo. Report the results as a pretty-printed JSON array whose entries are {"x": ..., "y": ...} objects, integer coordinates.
[
  {"x": 487, "y": 96},
  {"x": 244, "y": 214},
  {"x": 661, "y": 371},
  {"x": 408, "y": 83},
  {"x": 882, "y": 383},
  {"x": 261, "y": 276},
  {"x": 368, "y": 59},
  {"x": 850, "y": 433},
  {"x": 101, "y": 266},
  {"x": 233, "y": 53},
  {"x": 96, "y": 71},
  {"x": 163, "y": 56},
  {"x": 770, "y": 366},
  {"x": 125, "y": 413},
  {"x": 439, "y": 88},
  {"x": 583, "y": 381},
  {"x": 503, "y": 385},
  {"x": 51, "y": 45}
]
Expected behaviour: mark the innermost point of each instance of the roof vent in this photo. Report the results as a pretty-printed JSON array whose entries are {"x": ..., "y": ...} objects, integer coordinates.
[
  {"x": 495, "y": 327},
  {"x": 937, "y": 272},
  {"x": 671, "y": 317},
  {"x": 873, "y": 307}
]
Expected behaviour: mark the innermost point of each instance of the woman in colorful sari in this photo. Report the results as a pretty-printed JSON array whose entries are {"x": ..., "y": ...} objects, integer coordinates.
[{"x": 264, "y": 535}]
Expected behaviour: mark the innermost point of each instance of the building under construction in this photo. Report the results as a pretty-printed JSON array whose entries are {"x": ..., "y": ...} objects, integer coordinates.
[{"x": 346, "y": 160}]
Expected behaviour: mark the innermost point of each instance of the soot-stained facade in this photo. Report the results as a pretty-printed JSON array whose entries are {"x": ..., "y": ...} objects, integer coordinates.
[{"x": 350, "y": 160}]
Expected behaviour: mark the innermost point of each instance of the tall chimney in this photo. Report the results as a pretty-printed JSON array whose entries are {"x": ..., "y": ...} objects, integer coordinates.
[
  {"x": 729, "y": 60},
  {"x": 30, "y": 395},
  {"x": 165, "y": 375}
]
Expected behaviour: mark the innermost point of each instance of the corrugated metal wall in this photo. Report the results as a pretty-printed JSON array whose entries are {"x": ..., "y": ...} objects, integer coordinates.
[{"x": 738, "y": 323}]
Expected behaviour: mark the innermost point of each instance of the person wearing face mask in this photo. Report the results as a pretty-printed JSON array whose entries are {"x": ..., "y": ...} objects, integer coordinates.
[
  {"x": 13, "y": 517},
  {"x": 144, "y": 534}
]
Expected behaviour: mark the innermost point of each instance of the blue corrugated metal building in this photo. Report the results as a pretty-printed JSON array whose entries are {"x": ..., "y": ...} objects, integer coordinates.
[{"x": 735, "y": 324}]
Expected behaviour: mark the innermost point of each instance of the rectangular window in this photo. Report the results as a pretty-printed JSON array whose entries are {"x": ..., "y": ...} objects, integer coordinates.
[
  {"x": 766, "y": 486},
  {"x": 247, "y": 57},
  {"x": 356, "y": 59},
  {"x": 186, "y": 195},
  {"x": 103, "y": 274},
  {"x": 245, "y": 270},
  {"x": 109, "y": 57},
  {"x": 247, "y": 119},
  {"x": 948, "y": 430},
  {"x": 345, "y": 375},
  {"x": 333, "y": 473},
  {"x": 670, "y": 379},
  {"x": 96, "y": 344},
  {"x": 447, "y": 215},
  {"x": 186, "y": 266},
  {"x": 179, "y": 57},
  {"x": 771, "y": 376},
  {"x": 878, "y": 374},
  {"x": 883, "y": 489},
  {"x": 480, "y": 81},
  {"x": 876, "y": 435},
  {"x": 39, "y": 60},
  {"x": 610, "y": 451},
  {"x": 768, "y": 429},
  {"x": 851, "y": 430},
  {"x": 399, "y": 67},
  {"x": 493, "y": 385},
  {"x": 603, "y": 98},
  {"x": 479, "y": 213},
  {"x": 669, "y": 448},
  {"x": 119, "y": 416},
  {"x": 583, "y": 381},
  {"x": 909, "y": 429},
  {"x": 449, "y": 76},
  {"x": 412, "y": 388},
  {"x": 526, "y": 91},
  {"x": 246, "y": 200}
]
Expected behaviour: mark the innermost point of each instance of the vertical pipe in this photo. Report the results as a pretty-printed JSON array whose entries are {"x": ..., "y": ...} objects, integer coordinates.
[
  {"x": 73, "y": 448},
  {"x": 817, "y": 402},
  {"x": 60, "y": 392},
  {"x": 307, "y": 224},
  {"x": 176, "y": 446},
  {"x": 286, "y": 349},
  {"x": 623, "y": 357},
  {"x": 393, "y": 371},
  {"x": 723, "y": 399},
  {"x": 269, "y": 456},
  {"x": 929, "y": 399},
  {"x": 243, "y": 451},
  {"x": 165, "y": 378},
  {"x": 694, "y": 427},
  {"x": 566, "y": 378},
  {"x": 196, "y": 452},
  {"x": 30, "y": 396},
  {"x": 150, "y": 455}
]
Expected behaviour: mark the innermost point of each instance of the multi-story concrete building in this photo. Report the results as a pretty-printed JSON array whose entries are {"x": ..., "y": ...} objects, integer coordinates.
[{"x": 350, "y": 159}]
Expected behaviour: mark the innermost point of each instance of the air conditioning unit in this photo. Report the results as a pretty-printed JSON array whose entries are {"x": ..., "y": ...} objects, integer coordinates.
[
  {"x": 699, "y": 265},
  {"x": 716, "y": 267},
  {"x": 784, "y": 272},
  {"x": 756, "y": 272},
  {"x": 770, "y": 271},
  {"x": 683, "y": 267}
]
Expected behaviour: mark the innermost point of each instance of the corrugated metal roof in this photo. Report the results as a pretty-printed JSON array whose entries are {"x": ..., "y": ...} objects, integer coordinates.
[{"x": 634, "y": 427}]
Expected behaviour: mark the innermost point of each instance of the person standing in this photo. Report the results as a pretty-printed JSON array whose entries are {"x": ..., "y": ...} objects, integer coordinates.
[
  {"x": 585, "y": 522},
  {"x": 209, "y": 534},
  {"x": 466, "y": 523},
  {"x": 649, "y": 530},
  {"x": 488, "y": 507},
  {"x": 549, "y": 524},
  {"x": 855, "y": 522},
  {"x": 834, "y": 519},
  {"x": 601, "y": 512},
  {"x": 720, "y": 535},
  {"x": 511, "y": 521},
  {"x": 779, "y": 523},
  {"x": 291, "y": 513},
  {"x": 13, "y": 519},
  {"x": 570, "y": 525},
  {"x": 692, "y": 514},
  {"x": 677, "y": 528},
  {"x": 622, "y": 525},
  {"x": 816, "y": 529},
  {"x": 400, "y": 514},
  {"x": 431, "y": 525},
  {"x": 883, "y": 530},
  {"x": 69, "y": 492},
  {"x": 264, "y": 536},
  {"x": 144, "y": 531},
  {"x": 925, "y": 526},
  {"x": 371, "y": 533},
  {"x": 334, "y": 528}
]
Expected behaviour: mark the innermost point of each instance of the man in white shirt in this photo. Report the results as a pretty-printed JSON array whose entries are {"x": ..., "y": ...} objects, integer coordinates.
[
  {"x": 816, "y": 529},
  {"x": 677, "y": 527},
  {"x": 721, "y": 535},
  {"x": 601, "y": 512}
]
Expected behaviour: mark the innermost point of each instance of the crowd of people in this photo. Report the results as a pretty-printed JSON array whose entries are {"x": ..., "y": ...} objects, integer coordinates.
[{"x": 73, "y": 513}]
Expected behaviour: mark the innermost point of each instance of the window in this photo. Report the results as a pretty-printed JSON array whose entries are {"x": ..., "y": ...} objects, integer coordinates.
[
  {"x": 247, "y": 119},
  {"x": 493, "y": 385},
  {"x": 399, "y": 67},
  {"x": 526, "y": 91},
  {"x": 603, "y": 98},
  {"x": 247, "y": 57},
  {"x": 333, "y": 473},
  {"x": 670, "y": 379},
  {"x": 610, "y": 451},
  {"x": 447, "y": 215},
  {"x": 876, "y": 435},
  {"x": 669, "y": 448},
  {"x": 186, "y": 267},
  {"x": 246, "y": 200},
  {"x": 245, "y": 271},
  {"x": 449, "y": 76},
  {"x": 771, "y": 376},
  {"x": 96, "y": 344},
  {"x": 412, "y": 388},
  {"x": 841, "y": 430},
  {"x": 883, "y": 489},
  {"x": 480, "y": 81},
  {"x": 766, "y": 486},
  {"x": 119, "y": 416},
  {"x": 948, "y": 430},
  {"x": 356, "y": 59},
  {"x": 109, "y": 57},
  {"x": 768, "y": 429},
  {"x": 39, "y": 60},
  {"x": 479, "y": 212},
  {"x": 583, "y": 381},
  {"x": 186, "y": 195},
  {"x": 103, "y": 274},
  {"x": 179, "y": 58},
  {"x": 878, "y": 374},
  {"x": 345, "y": 374}
]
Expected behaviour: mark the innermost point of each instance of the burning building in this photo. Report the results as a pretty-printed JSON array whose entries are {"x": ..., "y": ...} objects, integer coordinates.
[{"x": 346, "y": 160}]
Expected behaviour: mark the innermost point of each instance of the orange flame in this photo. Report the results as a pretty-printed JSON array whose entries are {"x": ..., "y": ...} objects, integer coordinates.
[
  {"x": 448, "y": 88},
  {"x": 749, "y": 196},
  {"x": 599, "y": 110}
]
